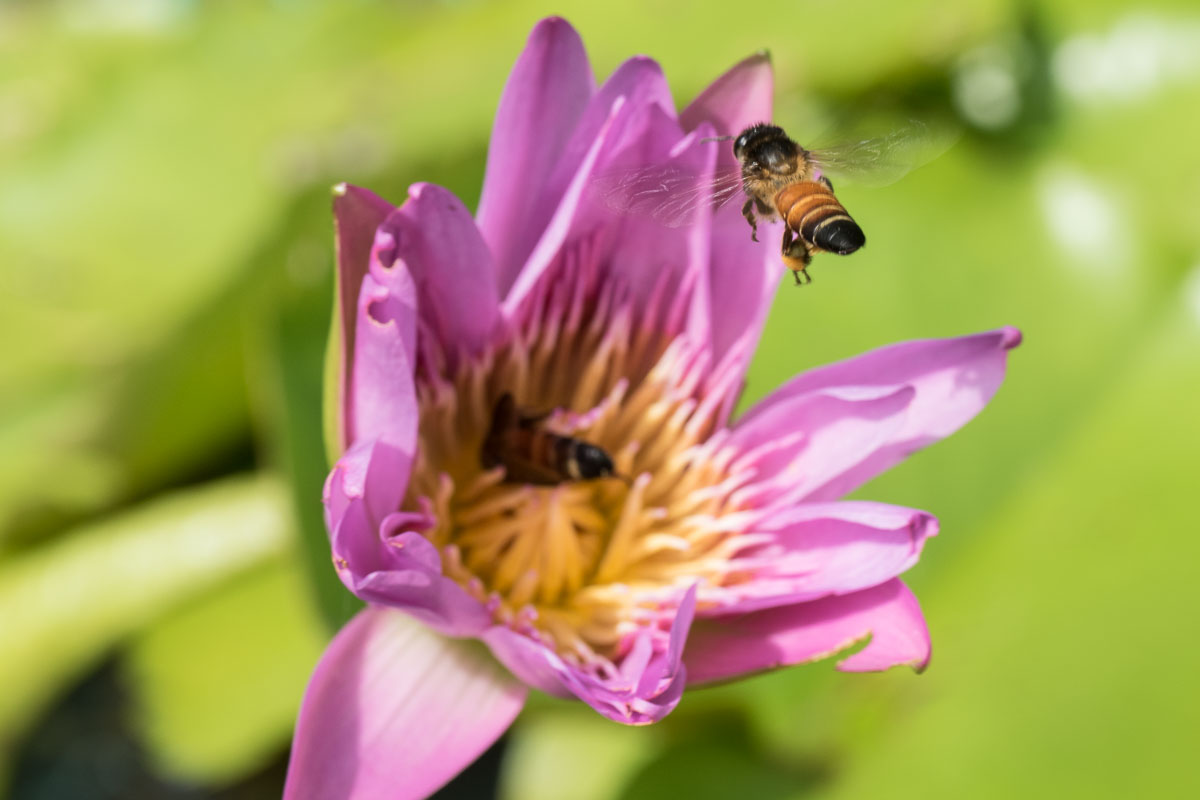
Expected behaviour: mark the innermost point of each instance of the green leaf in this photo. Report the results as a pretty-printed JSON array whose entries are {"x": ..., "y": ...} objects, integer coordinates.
[
  {"x": 1059, "y": 667},
  {"x": 565, "y": 750},
  {"x": 125, "y": 215},
  {"x": 67, "y": 603},
  {"x": 286, "y": 375},
  {"x": 217, "y": 685},
  {"x": 714, "y": 771}
]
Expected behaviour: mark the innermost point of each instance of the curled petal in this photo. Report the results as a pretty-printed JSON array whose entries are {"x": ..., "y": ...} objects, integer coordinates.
[
  {"x": 433, "y": 242},
  {"x": 818, "y": 549},
  {"x": 378, "y": 554},
  {"x": 649, "y": 683},
  {"x": 944, "y": 382},
  {"x": 727, "y": 647},
  {"x": 546, "y": 93},
  {"x": 394, "y": 711},
  {"x": 383, "y": 393},
  {"x": 357, "y": 213}
]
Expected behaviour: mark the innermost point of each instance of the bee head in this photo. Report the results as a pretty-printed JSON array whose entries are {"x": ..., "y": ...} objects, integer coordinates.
[
  {"x": 767, "y": 149},
  {"x": 593, "y": 462}
]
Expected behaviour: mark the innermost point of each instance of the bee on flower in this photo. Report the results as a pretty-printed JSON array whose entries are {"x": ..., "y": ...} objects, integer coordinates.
[{"x": 726, "y": 552}]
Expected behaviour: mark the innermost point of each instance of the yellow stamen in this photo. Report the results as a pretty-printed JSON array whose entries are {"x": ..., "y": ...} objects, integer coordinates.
[{"x": 584, "y": 564}]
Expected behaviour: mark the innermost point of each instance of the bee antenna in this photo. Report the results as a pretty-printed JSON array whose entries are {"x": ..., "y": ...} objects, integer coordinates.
[{"x": 717, "y": 138}]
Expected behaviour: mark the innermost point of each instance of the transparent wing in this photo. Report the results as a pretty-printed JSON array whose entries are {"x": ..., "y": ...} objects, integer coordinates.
[
  {"x": 668, "y": 194},
  {"x": 885, "y": 159}
]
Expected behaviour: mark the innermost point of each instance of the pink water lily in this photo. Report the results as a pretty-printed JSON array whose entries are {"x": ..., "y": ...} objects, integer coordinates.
[{"x": 726, "y": 551}]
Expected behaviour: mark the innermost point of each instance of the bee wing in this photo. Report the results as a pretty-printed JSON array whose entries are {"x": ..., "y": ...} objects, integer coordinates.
[
  {"x": 668, "y": 194},
  {"x": 885, "y": 159}
]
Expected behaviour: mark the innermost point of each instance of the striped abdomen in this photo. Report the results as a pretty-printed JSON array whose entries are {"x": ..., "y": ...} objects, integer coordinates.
[
  {"x": 812, "y": 211},
  {"x": 530, "y": 453},
  {"x": 559, "y": 458}
]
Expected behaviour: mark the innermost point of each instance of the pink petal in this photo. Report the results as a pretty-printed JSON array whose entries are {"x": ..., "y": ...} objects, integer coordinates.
[
  {"x": 379, "y": 554},
  {"x": 356, "y": 215},
  {"x": 637, "y": 83},
  {"x": 943, "y": 382},
  {"x": 371, "y": 474},
  {"x": 394, "y": 711},
  {"x": 660, "y": 269},
  {"x": 435, "y": 239},
  {"x": 383, "y": 393},
  {"x": 736, "y": 100},
  {"x": 546, "y": 93},
  {"x": 661, "y": 266},
  {"x": 817, "y": 549},
  {"x": 651, "y": 676},
  {"x": 726, "y": 647},
  {"x": 799, "y": 444},
  {"x": 614, "y": 119},
  {"x": 550, "y": 247},
  {"x": 743, "y": 274}
]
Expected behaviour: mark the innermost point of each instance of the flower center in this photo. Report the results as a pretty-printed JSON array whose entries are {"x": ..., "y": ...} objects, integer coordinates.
[{"x": 582, "y": 564}]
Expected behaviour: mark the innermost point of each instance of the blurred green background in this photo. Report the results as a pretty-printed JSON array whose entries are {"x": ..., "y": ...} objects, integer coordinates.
[{"x": 165, "y": 268}]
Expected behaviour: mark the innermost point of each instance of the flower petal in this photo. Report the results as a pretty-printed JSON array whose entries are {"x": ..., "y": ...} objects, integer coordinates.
[
  {"x": 638, "y": 83},
  {"x": 357, "y": 213},
  {"x": 662, "y": 267},
  {"x": 614, "y": 119},
  {"x": 742, "y": 274},
  {"x": 799, "y": 444},
  {"x": 726, "y": 647},
  {"x": 651, "y": 676},
  {"x": 736, "y": 100},
  {"x": 551, "y": 245},
  {"x": 436, "y": 241},
  {"x": 661, "y": 270},
  {"x": 818, "y": 549},
  {"x": 378, "y": 554},
  {"x": 546, "y": 94},
  {"x": 383, "y": 398},
  {"x": 394, "y": 711},
  {"x": 944, "y": 382}
]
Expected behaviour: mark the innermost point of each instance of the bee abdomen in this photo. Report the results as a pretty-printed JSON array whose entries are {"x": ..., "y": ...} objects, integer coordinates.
[
  {"x": 812, "y": 211},
  {"x": 838, "y": 234}
]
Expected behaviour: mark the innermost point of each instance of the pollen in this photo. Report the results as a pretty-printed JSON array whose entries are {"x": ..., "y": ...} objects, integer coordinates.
[{"x": 581, "y": 565}]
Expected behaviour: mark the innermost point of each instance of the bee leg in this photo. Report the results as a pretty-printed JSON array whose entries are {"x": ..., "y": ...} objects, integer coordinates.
[
  {"x": 796, "y": 256},
  {"x": 786, "y": 247},
  {"x": 748, "y": 213}
]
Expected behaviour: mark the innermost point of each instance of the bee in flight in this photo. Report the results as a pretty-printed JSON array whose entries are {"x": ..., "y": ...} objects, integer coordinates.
[
  {"x": 779, "y": 180},
  {"x": 530, "y": 453}
]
